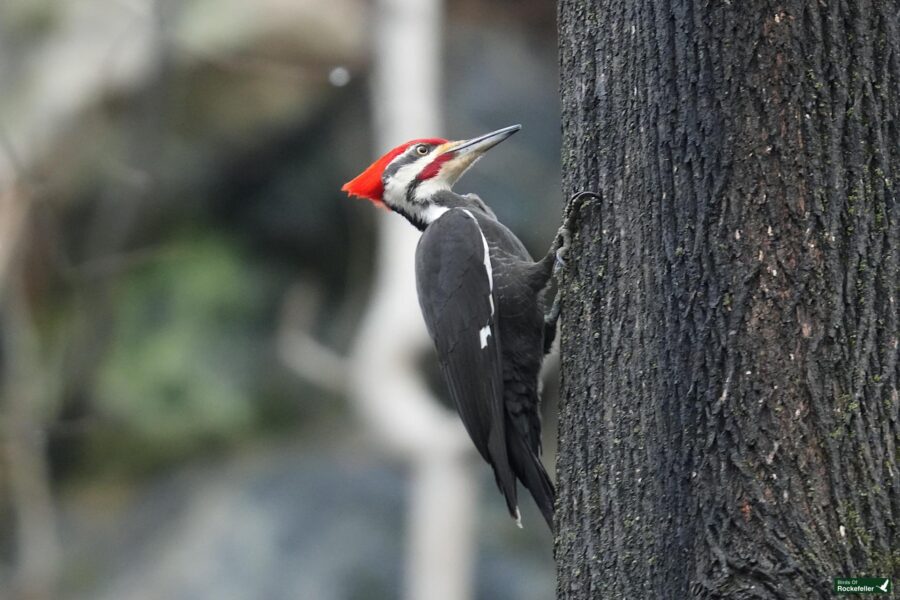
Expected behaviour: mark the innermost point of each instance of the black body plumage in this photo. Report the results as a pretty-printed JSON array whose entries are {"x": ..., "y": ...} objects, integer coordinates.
[{"x": 486, "y": 317}]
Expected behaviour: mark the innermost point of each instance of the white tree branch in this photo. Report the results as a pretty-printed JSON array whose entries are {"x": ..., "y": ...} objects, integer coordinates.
[{"x": 387, "y": 386}]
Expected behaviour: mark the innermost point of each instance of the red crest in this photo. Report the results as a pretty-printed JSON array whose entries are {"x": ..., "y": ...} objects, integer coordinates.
[{"x": 368, "y": 184}]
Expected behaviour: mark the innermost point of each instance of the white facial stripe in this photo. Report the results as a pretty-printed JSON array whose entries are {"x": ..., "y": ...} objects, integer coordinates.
[
  {"x": 486, "y": 330},
  {"x": 395, "y": 191},
  {"x": 420, "y": 207}
]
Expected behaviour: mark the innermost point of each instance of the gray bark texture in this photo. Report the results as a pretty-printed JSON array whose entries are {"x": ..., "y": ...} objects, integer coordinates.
[{"x": 729, "y": 413}]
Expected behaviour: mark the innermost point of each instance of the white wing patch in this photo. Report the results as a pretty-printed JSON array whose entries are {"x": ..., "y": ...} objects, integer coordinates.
[{"x": 485, "y": 332}]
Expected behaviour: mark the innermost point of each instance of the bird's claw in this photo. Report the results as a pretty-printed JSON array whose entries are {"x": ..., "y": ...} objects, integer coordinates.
[
  {"x": 580, "y": 196},
  {"x": 576, "y": 202}
]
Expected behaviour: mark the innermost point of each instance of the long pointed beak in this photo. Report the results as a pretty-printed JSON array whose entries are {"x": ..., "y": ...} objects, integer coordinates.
[
  {"x": 455, "y": 158},
  {"x": 475, "y": 147}
]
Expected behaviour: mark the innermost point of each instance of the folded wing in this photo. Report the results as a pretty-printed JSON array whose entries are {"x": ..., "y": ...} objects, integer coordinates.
[{"x": 455, "y": 287}]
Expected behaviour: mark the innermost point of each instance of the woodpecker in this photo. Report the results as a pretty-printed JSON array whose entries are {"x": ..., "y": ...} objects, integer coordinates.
[{"x": 483, "y": 298}]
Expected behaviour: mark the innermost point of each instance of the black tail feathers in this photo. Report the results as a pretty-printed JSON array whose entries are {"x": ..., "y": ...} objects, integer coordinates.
[{"x": 528, "y": 468}]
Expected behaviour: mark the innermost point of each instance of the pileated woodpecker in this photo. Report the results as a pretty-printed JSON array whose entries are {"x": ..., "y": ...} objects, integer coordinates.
[{"x": 482, "y": 296}]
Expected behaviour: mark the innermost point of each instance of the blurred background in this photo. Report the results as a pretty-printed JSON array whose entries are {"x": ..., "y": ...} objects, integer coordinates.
[{"x": 200, "y": 397}]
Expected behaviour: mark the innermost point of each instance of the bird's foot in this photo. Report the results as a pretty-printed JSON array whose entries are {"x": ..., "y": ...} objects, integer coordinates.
[
  {"x": 562, "y": 252},
  {"x": 564, "y": 235}
]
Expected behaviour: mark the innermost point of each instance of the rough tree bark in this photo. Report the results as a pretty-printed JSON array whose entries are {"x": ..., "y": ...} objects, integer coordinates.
[{"x": 729, "y": 420}]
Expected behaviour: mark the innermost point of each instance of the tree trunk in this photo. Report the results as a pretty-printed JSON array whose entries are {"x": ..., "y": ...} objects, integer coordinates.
[{"x": 729, "y": 414}]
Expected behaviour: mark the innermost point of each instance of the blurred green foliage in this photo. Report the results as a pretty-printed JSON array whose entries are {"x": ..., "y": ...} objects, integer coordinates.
[{"x": 179, "y": 367}]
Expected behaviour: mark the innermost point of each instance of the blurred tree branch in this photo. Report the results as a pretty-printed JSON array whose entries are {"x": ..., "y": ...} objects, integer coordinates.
[
  {"x": 13, "y": 212},
  {"x": 388, "y": 388},
  {"x": 303, "y": 353},
  {"x": 37, "y": 545},
  {"x": 27, "y": 384}
]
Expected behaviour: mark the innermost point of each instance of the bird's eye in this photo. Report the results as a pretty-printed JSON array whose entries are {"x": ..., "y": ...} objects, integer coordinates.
[{"x": 421, "y": 149}]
